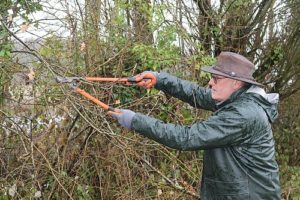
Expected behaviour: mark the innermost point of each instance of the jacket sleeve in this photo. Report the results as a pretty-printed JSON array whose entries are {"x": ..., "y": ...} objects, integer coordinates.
[
  {"x": 221, "y": 129},
  {"x": 186, "y": 91}
]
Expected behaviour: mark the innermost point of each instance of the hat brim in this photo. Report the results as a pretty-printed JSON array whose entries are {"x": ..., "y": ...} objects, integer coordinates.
[{"x": 210, "y": 69}]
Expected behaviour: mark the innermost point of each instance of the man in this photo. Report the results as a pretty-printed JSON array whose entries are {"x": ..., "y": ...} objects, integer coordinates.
[{"x": 239, "y": 154}]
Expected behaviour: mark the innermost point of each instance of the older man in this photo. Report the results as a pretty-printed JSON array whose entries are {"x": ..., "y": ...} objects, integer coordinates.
[{"x": 239, "y": 154}]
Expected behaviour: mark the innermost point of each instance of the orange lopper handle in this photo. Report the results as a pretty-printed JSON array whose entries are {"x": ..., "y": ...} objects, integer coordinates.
[
  {"x": 93, "y": 99},
  {"x": 102, "y": 79},
  {"x": 128, "y": 80}
]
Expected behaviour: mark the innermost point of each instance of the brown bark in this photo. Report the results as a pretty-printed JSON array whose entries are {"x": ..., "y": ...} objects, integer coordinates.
[{"x": 141, "y": 21}]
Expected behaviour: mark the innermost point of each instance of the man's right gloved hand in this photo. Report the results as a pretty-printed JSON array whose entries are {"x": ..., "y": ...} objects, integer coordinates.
[
  {"x": 123, "y": 116},
  {"x": 151, "y": 79}
]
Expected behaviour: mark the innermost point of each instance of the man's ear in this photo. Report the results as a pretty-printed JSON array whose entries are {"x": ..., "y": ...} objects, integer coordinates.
[{"x": 238, "y": 84}]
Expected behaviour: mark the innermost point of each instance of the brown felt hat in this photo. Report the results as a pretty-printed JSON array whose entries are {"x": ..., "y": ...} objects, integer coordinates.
[{"x": 234, "y": 66}]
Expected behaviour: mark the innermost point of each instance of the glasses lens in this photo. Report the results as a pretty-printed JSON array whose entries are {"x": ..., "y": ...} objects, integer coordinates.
[{"x": 217, "y": 78}]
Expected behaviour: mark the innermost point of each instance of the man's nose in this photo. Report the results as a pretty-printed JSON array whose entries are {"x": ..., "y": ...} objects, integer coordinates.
[{"x": 211, "y": 82}]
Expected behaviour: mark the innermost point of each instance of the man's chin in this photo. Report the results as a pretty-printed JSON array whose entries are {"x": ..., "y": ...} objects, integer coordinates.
[{"x": 214, "y": 97}]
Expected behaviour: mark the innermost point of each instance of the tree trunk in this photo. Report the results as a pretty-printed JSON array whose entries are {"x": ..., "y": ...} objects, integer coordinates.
[{"x": 141, "y": 21}]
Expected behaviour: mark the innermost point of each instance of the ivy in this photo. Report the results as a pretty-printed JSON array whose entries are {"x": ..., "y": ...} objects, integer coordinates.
[{"x": 5, "y": 51}]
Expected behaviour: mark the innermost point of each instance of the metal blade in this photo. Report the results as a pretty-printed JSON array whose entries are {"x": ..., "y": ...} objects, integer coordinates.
[{"x": 61, "y": 79}]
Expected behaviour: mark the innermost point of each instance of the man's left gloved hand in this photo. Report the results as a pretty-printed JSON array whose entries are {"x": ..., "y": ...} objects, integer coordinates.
[
  {"x": 123, "y": 116},
  {"x": 151, "y": 79}
]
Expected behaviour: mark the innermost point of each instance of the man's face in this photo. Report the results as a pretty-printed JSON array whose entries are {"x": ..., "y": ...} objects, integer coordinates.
[{"x": 222, "y": 87}]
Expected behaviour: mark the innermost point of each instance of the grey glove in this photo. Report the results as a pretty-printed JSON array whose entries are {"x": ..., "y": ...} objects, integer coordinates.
[{"x": 124, "y": 117}]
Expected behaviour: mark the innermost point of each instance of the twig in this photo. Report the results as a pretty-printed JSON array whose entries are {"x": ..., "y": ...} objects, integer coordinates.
[
  {"x": 53, "y": 172},
  {"x": 172, "y": 184},
  {"x": 33, "y": 52}
]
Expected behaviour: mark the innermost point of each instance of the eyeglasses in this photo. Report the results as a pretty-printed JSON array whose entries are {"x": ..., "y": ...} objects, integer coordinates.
[{"x": 217, "y": 78}]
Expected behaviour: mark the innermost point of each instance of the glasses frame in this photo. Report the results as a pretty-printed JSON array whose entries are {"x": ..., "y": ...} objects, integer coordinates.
[{"x": 216, "y": 78}]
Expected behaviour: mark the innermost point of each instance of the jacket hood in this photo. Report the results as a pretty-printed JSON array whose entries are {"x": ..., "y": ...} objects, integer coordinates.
[{"x": 268, "y": 102}]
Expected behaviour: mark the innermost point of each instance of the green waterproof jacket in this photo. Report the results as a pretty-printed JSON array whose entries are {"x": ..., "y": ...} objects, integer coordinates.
[{"x": 239, "y": 154}]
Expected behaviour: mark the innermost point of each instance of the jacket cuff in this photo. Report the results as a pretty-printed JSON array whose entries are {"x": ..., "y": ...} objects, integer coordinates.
[
  {"x": 138, "y": 123},
  {"x": 135, "y": 121},
  {"x": 161, "y": 77}
]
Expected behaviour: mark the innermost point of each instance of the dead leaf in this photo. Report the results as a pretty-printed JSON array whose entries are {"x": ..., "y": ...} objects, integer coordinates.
[
  {"x": 82, "y": 46},
  {"x": 12, "y": 190},
  {"x": 10, "y": 18},
  {"x": 38, "y": 194},
  {"x": 159, "y": 192},
  {"x": 31, "y": 75},
  {"x": 24, "y": 27}
]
